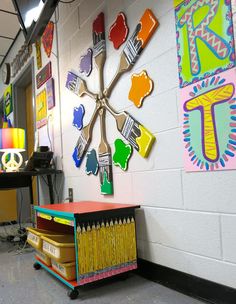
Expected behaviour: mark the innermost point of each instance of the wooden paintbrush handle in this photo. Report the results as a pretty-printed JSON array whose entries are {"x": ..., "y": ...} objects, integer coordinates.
[
  {"x": 103, "y": 147},
  {"x": 119, "y": 117},
  {"x": 100, "y": 61},
  {"x": 123, "y": 67}
]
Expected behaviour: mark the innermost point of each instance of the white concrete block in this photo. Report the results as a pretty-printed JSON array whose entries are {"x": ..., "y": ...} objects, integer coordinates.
[
  {"x": 159, "y": 112},
  {"x": 136, "y": 10},
  {"x": 69, "y": 27},
  {"x": 198, "y": 233},
  {"x": 210, "y": 191},
  {"x": 228, "y": 227},
  {"x": 168, "y": 152},
  {"x": 87, "y": 8},
  {"x": 206, "y": 268},
  {"x": 158, "y": 188},
  {"x": 162, "y": 70}
]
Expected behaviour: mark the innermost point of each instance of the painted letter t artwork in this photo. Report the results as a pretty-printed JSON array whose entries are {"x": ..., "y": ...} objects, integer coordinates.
[{"x": 209, "y": 128}]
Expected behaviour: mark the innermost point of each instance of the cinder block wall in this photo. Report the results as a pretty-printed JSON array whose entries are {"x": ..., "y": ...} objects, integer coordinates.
[{"x": 187, "y": 220}]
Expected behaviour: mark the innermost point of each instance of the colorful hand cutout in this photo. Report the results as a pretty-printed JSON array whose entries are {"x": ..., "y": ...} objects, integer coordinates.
[
  {"x": 122, "y": 154},
  {"x": 86, "y": 63},
  {"x": 119, "y": 31},
  {"x": 78, "y": 117},
  {"x": 92, "y": 163},
  {"x": 141, "y": 87}
]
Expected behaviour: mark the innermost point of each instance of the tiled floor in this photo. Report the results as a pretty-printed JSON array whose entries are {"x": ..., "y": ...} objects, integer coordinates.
[{"x": 21, "y": 284}]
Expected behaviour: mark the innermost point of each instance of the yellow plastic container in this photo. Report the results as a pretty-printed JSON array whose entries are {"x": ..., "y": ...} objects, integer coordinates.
[
  {"x": 35, "y": 234},
  {"x": 60, "y": 248},
  {"x": 67, "y": 270},
  {"x": 43, "y": 257}
]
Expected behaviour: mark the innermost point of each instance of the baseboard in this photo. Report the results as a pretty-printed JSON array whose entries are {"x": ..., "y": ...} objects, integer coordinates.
[{"x": 187, "y": 284}]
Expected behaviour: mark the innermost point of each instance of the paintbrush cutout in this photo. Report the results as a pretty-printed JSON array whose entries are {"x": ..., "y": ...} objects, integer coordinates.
[
  {"x": 104, "y": 150},
  {"x": 78, "y": 86},
  {"x": 134, "y": 46},
  {"x": 136, "y": 134},
  {"x": 85, "y": 138},
  {"x": 99, "y": 47},
  {"x": 104, "y": 159}
]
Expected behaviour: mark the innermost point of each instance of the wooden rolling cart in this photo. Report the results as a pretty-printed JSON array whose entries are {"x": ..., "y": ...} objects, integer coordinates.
[{"x": 104, "y": 240}]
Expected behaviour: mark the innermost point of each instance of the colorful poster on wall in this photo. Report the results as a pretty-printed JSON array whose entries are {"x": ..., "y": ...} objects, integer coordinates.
[
  {"x": 41, "y": 109},
  {"x": 50, "y": 93},
  {"x": 7, "y": 98},
  {"x": 205, "y": 43},
  {"x": 209, "y": 123}
]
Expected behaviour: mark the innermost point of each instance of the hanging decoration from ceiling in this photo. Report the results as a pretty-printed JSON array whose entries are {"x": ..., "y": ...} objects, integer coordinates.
[
  {"x": 134, "y": 132},
  {"x": 92, "y": 163},
  {"x": 122, "y": 154},
  {"x": 78, "y": 117},
  {"x": 119, "y": 31},
  {"x": 38, "y": 53},
  {"x": 86, "y": 63},
  {"x": 41, "y": 109},
  {"x": 207, "y": 73},
  {"x": 141, "y": 87},
  {"x": 44, "y": 75},
  {"x": 47, "y": 38},
  {"x": 7, "y": 101}
]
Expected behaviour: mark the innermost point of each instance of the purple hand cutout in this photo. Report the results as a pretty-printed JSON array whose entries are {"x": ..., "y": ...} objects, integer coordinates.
[{"x": 86, "y": 63}]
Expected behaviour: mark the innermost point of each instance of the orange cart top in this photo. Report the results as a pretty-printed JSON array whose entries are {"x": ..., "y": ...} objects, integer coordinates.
[{"x": 84, "y": 207}]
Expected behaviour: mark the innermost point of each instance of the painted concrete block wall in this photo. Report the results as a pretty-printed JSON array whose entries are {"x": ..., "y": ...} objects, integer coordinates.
[{"x": 187, "y": 220}]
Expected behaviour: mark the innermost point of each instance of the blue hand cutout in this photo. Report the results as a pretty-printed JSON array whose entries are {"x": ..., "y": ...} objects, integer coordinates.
[{"x": 78, "y": 117}]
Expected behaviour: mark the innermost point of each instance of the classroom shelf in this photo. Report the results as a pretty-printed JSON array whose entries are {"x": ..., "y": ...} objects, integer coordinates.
[{"x": 104, "y": 236}]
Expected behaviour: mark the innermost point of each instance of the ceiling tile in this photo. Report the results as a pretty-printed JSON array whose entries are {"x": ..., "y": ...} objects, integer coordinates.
[
  {"x": 7, "y": 5},
  {"x": 4, "y": 45},
  {"x": 9, "y": 25}
]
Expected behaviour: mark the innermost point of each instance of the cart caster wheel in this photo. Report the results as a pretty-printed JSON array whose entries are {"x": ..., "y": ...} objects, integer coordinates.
[
  {"x": 37, "y": 266},
  {"x": 73, "y": 294}
]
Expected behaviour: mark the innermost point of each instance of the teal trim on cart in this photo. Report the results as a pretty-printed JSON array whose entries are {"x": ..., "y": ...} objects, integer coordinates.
[
  {"x": 55, "y": 274},
  {"x": 65, "y": 215},
  {"x": 76, "y": 251}
]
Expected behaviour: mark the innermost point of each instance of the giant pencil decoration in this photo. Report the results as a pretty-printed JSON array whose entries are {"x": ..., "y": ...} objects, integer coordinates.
[
  {"x": 106, "y": 246},
  {"x": 84, "y": 139},
  {"x": 136, "y": 134},
  {"x": 78, "y": 86},
  {"x": 104, "y": 159},
  {"x": 134, "y": 46}
]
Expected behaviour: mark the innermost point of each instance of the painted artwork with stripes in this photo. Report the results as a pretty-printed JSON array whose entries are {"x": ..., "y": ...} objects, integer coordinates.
[
  {"x": 205, "y": 40},
  {"x": 209, "y": 123}
]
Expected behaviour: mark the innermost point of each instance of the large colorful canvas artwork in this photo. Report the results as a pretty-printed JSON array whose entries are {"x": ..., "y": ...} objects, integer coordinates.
[
  {"x": 205, "y": 43},
  {"x": 209, "y": 123}
]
